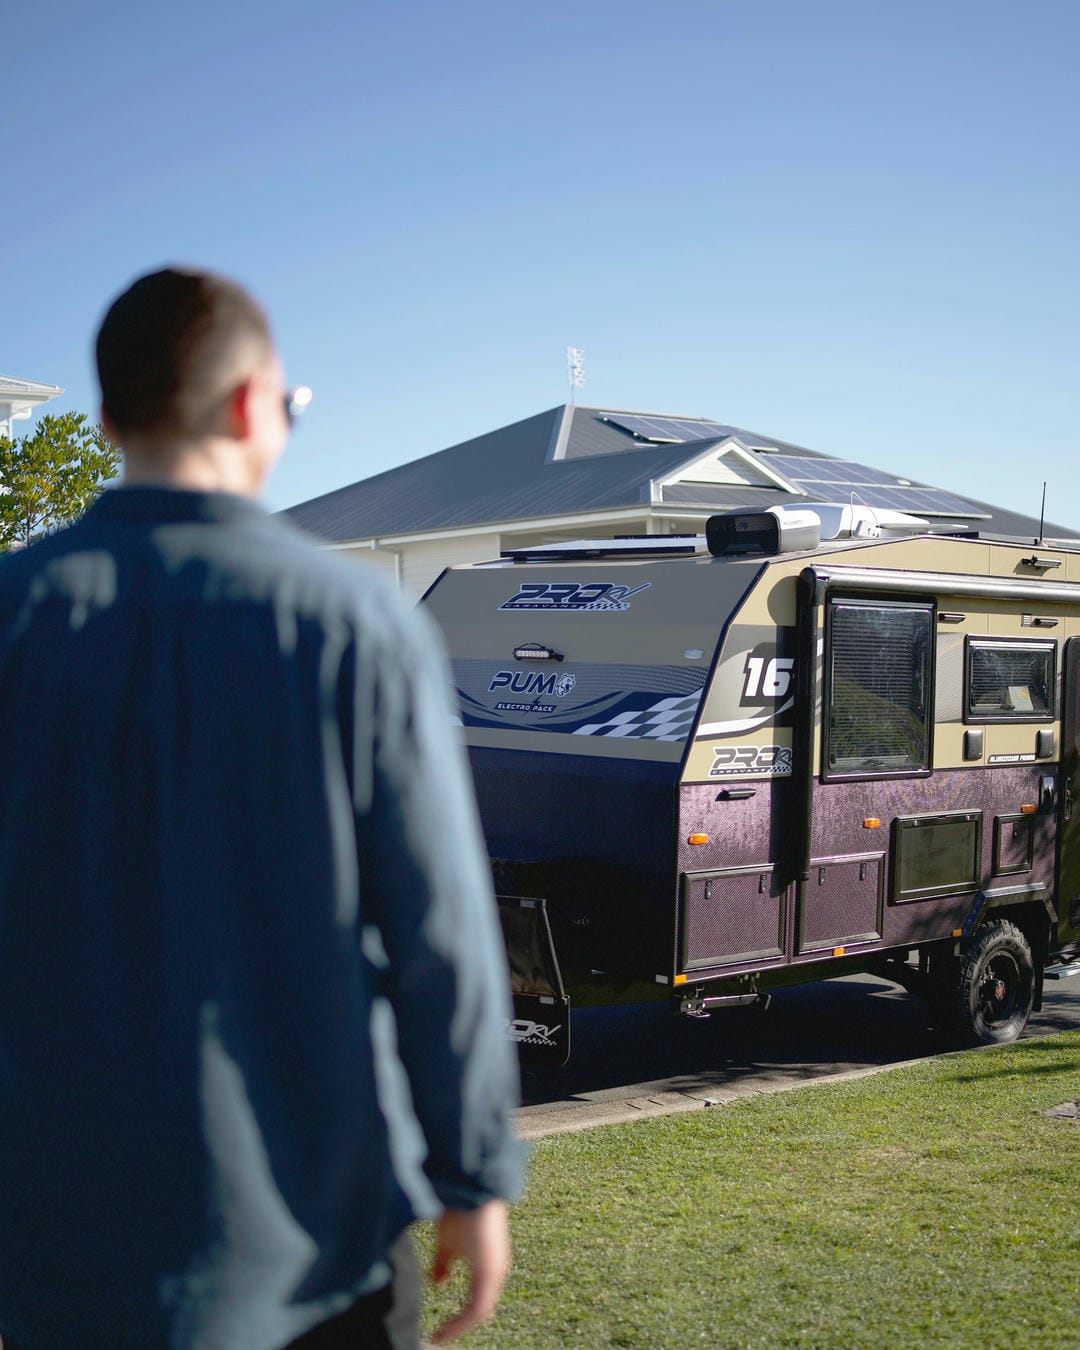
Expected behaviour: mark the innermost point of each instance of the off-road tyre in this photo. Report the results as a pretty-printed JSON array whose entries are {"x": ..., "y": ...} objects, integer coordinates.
[{"x": 995, "y": 986}]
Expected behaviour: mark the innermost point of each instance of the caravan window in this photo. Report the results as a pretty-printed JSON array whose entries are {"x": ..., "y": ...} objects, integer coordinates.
[
  {"x": 878, "y": 661},
  {"x": 1010, "y": 681}
]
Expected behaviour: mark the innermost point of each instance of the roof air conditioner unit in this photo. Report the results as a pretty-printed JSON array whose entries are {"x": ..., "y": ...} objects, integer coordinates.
[{"x": 780, "y": 529}]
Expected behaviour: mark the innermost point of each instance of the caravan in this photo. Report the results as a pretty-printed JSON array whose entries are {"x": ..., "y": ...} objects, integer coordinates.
[{"x": 811, "y": 743}]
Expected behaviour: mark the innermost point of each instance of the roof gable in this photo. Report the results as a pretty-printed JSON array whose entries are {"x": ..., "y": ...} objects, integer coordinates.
[{"x": 730, "y": 462}]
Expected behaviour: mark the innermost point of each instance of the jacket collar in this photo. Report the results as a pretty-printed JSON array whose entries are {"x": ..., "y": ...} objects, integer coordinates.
[{"x": 152, "y": 505}]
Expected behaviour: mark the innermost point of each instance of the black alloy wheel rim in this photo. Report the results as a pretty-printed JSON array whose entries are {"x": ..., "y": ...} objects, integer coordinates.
[{"x": 999, "y": 990}]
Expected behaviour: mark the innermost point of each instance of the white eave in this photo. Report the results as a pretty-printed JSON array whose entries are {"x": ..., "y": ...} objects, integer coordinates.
[{"x": 22, "y": 396}]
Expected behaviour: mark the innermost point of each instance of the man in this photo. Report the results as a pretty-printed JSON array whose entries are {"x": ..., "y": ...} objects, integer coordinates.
[{"x": 252, "y": 994}]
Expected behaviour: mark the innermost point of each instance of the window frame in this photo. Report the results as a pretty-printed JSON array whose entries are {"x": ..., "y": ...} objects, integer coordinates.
[
  {"x": 905, "y": 829},
  {"x": 978, "y": 642},
  {"x": 870, "y": 600}
]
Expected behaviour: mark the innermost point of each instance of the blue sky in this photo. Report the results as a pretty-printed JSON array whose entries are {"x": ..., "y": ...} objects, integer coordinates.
[{"x": 851, "y": 225}]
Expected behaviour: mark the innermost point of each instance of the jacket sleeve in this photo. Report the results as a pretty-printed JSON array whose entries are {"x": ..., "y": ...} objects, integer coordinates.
[{"x": 426, "y": 884}]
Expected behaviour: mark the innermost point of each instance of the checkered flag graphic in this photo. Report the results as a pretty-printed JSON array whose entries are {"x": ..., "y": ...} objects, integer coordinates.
[{"x": 668, "y": 720}]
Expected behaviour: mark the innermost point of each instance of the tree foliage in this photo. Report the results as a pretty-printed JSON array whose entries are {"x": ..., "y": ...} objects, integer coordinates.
[{"x": 50, "y": 477}]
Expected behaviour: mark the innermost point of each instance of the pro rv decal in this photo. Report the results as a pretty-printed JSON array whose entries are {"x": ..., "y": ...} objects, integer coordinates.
[
  {"x": 570, "y": 596},
  {"x": 774, "y": 761},
  {"x": 525, "y": 1032}
]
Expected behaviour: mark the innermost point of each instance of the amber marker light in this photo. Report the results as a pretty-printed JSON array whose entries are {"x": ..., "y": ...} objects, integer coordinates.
[
  {"x": 871, "y": 823},
  {"x": 698, "y": 839},
  {"x": 679, "y": 979},
  {"x": 958, "y": 932},
  {"x": 1028, "y": 809},
  {"x": 839, "y": 951}
]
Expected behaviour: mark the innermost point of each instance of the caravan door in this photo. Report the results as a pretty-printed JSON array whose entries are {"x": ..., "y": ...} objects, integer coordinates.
[{"x": 1068, "y": 860}]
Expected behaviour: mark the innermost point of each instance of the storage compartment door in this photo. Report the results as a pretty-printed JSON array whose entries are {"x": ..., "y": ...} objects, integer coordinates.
[
  {"x": 842, "y": 902},
  {"x": 730, "y": 916}
]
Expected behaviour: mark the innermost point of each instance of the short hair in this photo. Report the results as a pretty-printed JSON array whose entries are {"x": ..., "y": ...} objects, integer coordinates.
[{"x": 170, "y": 343}]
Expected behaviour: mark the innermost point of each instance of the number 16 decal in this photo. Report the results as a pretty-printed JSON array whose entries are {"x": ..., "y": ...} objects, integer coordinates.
[{"x": 767, "y": 677}]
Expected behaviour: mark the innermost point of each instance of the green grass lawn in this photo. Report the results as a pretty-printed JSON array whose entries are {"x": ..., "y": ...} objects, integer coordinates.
[{"x": 934, "y": 1205}]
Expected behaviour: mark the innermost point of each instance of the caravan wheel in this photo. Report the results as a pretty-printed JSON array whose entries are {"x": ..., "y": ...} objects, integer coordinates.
[{"x": 996, "y": 987}]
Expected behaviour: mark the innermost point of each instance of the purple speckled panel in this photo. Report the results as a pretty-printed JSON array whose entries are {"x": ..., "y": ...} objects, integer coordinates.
[
  {"x": 742, "y": 832},
  {"x": 762, "y": 830},
  {"x": 730, "y": 917},
  {"x": 840, "y": 808},
  {"x": 1014, "y": 844},
  {"x": 842, "y": 902}
]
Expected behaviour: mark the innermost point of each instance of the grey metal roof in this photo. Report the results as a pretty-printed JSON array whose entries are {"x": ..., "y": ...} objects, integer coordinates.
[
  {"x": 560, "y": 462},
  {"x": 1019, "y": 526}
]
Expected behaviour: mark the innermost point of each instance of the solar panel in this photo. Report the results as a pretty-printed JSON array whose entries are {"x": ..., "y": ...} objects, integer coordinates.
[
  {"x": 934, "y": 502},
  {"x": 875, "y": 487},
  {"x": 699, "y": 431},
  {"x": 668, "y": 429},
  {"x": 916, "y": 501},
  {"x": 806, "y": 470},
  {"x": 837, "y": 478},
  {"x": 676, "y": 429},
  {"x": 644, "y": 427},
  {"x": 801, "y": 470},
  {"x": 862, "y": 473}
]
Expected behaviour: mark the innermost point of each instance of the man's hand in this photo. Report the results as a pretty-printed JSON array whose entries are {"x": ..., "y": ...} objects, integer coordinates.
[{"x": 480, "y": 1238}]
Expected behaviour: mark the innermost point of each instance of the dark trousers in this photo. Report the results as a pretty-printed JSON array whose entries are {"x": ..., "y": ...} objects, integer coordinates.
[{"x": 389, "y": 1319}]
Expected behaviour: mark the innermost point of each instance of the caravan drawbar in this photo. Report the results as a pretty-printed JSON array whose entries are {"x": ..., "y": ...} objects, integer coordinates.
[{"x": 811, "y": 743}]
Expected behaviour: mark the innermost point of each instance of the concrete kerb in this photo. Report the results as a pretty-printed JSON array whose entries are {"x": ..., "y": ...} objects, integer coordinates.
[{"x": 531, "y": 1122}]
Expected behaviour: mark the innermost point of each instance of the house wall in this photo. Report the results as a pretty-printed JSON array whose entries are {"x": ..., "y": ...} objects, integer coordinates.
[
  {"x": 415, "y": 565},
  {"x": 383, "y": 560},
  {"x": 424, "y": 560}
]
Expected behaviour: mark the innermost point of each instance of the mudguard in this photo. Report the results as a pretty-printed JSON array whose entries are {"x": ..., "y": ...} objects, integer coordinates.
[{"x": 541, "y": 1024}]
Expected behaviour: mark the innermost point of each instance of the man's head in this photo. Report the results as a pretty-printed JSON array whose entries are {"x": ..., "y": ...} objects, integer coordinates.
[{"x": 187, "y": 366}]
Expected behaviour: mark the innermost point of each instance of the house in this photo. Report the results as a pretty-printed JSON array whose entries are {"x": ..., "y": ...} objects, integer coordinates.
[
  {"x": 18, "y": 399},
  {"x": 574, "y": 472}
]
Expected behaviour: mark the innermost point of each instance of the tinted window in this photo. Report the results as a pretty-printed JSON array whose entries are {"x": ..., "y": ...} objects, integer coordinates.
[
  {"x": 1010, "y": 681},
  {"x": 879, "y": 672}
]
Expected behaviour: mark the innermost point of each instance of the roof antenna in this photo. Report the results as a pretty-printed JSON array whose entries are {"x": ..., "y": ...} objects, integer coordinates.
[
  {"x": 575, "y": 369},
  {"x": 1042, "y": 515}
]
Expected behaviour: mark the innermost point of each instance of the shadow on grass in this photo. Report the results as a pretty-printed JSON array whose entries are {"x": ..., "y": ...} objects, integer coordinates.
[{"x": 1021, "y": 1059}]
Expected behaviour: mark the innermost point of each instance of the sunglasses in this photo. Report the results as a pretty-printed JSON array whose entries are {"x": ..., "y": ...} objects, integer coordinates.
[{"x": 297, "y": 401}]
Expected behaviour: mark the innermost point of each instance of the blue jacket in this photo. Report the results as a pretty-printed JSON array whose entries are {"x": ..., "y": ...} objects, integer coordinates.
[{"x": 252, "y": 992}]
